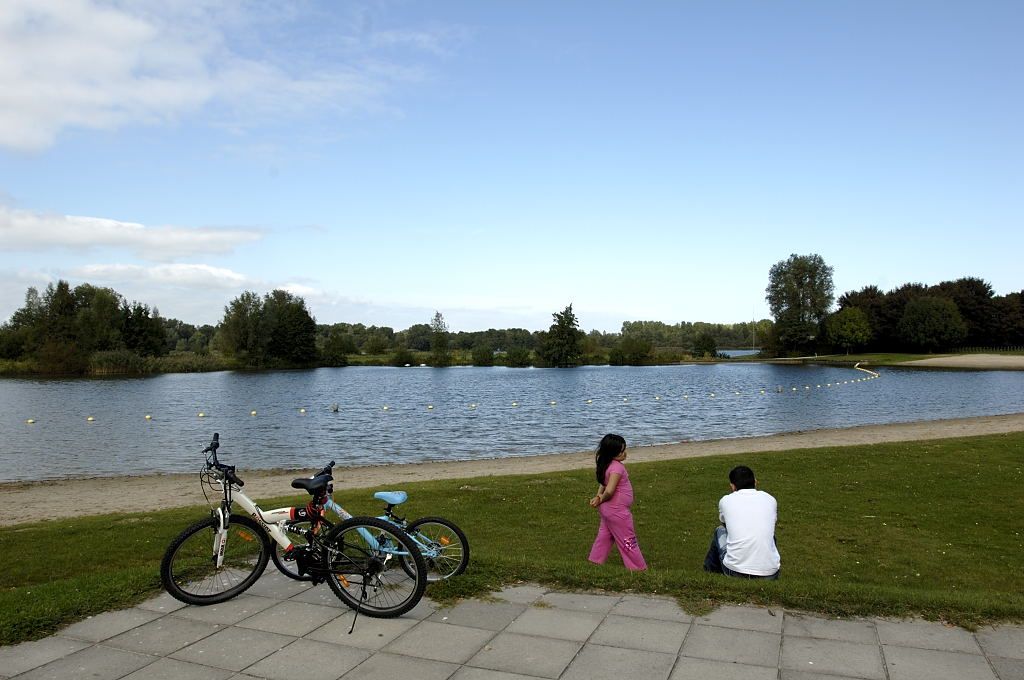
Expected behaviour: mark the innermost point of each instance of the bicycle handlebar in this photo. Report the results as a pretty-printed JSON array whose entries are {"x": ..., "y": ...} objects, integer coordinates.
[{"x": 228, "y": 470}]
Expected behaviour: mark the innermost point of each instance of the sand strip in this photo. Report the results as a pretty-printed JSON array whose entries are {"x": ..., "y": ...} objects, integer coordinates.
[{"x": 31, "y": 502}]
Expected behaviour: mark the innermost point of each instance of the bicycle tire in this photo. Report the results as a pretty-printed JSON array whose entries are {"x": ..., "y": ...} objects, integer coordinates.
[
  {"x": 356, "y": 567},
  {"x": 443, "y": 544},
  {"x": 188, "y": 569},
  {"x": 289, "y": 567}
]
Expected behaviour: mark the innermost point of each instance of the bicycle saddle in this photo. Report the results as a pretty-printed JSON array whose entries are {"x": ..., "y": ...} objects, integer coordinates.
[
  {"x": 314, "y": 485},
  {"x": 392, "y": 497}
]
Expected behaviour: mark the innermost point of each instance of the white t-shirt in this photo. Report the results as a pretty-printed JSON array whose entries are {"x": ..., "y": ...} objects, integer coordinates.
[{"x": 749, "y": 517}]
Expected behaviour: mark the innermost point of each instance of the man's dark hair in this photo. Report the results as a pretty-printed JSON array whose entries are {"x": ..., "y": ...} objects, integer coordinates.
[{"x": 741, "y": 477}]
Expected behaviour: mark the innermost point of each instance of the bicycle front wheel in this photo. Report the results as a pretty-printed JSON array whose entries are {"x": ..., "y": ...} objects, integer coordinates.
[
  {"x": 374, "y": 567},
  {"x": 444, "y": 546},
  {"x": 189, "y": 570}
]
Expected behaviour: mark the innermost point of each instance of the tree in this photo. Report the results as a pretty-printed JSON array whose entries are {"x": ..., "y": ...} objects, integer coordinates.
[
  {"x": 418, "y": 337},
  {"x": 239, "y": 334},
  {"x": 799, "y": 294},
  {"x": 517, "y": 357},
  {"x": 931, "y": 323},
  {"x": 440, "y": 353},
  {"x": 562, "y": 345},
  {"x": 483, "y": 355},
  {"x": 631, "y": 351},
  {"x": 871, "y": 301},
  {"x": 849, "y": 328},
  {"x": 704, "y": 345},
  {"x": 288, "y": 330},
  {"x": 142, "y": 330},
  {"x": 974, "y": 300}
]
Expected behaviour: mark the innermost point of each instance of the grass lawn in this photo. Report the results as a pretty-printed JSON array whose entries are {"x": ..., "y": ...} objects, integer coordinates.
[{"x": 931, "y": 528}]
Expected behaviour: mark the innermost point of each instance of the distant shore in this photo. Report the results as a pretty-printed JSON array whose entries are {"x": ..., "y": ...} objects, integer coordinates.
[{"x": 63, "y": 499}]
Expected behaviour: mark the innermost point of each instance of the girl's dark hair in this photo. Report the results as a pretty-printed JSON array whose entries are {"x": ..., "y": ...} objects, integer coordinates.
[{"x": 611, "y": 445}]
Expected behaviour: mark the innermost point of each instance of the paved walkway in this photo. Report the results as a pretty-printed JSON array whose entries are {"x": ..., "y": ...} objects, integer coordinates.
[{"x": 288, "y": 630}]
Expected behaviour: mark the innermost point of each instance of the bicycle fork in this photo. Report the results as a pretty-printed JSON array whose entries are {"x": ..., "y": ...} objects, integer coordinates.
[{"x": 220, "y": 536}]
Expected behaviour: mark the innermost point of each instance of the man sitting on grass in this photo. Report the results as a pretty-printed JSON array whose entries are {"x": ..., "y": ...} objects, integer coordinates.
[{"x": 744, "y": 545}]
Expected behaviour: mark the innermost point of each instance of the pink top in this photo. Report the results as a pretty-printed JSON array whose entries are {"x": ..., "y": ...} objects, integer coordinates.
[{"x": 623, "y": 495}]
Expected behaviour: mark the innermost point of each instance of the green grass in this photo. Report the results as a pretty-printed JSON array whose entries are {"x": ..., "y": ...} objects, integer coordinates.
[{"x": 929, "y": 528}]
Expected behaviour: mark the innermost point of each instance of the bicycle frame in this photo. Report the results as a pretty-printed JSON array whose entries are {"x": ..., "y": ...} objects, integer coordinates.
[{"x": 426, "y": 549}]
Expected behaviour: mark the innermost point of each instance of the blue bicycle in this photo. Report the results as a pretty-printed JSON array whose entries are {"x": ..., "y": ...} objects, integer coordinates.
[{"x": 443, "y": 545}]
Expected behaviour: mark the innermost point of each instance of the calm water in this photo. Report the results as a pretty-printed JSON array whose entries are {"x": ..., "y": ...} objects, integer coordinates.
[{"x": 650, "y": 405}]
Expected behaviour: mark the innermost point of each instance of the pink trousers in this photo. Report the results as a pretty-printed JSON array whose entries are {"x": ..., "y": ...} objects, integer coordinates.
[{"x": 617, "y": 526}]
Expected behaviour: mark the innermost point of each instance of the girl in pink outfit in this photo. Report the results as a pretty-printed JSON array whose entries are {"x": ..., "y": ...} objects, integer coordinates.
[{"x": 614, "y": 496}]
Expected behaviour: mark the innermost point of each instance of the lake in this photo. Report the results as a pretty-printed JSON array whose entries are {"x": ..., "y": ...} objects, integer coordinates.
[{"x": 384, "y": 414}]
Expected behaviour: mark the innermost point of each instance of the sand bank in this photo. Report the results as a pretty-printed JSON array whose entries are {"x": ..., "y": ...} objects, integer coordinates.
[
  {"x": 1004, "y": 362},
  {"x": 29, "y": 502}
]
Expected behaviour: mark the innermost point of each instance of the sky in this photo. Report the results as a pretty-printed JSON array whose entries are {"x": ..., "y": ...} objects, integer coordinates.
[{"x": 497, "y": 161}]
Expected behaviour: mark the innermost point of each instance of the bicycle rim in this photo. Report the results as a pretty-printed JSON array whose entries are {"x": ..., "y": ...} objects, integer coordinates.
[
  {"x": 443, "y": 545},
  {"x": 189, "y": 570},
  {"x": 365, "y": 559}
]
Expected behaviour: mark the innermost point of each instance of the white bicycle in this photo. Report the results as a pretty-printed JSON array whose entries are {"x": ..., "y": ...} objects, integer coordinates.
[{"x": 371, "y": 565}]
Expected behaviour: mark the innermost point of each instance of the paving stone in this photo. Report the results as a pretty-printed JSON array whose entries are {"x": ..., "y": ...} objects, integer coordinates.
[
  {"x": 163, "y": 636},
  {"x": 107, "y": 625},
  {"x": 291, "y": 618},
  {"x": 441, "y": 642},
  {"x": 652, "y": 635},
  {"x": 1006, "y": 642},
  {"x": 800, "y": 675},
  {"x": 309, "y": 660},
  {"x": 467, "y": 673},
  {"x": 525, "y": 654},
  {"x": 661, "y": 608},
  {"x": 848, "y": 630},
  {"x": 383, "y": 666},
  {"x": 478, "y": 614},
  {"x": 368, "y": 633},
  {"x": 233, "y": 648},
  {"x": 732, "y": 644},
  {"x": 424, "y": 609},
  {"x": 688, "y": 668},
  {"x": 521, "y": 594},
  {"x": 279, "y": 587},
  {"x": 581, "y": 602},
  {"x": 228, "y": 612},
  {"x": 172, "y": 669},
  {"x": 28, "y": 655},
  {"x": 556, "y": 623},
  {"x": 1008, "y": 669},
  {"x": 322, "y": 595},
  {"x": 747, "y": 618},
  {"x": 596, "y": 662},
  {"x": 926, "y": 635},
  {"x": 909, "y": 663},
  {"x": 832, "y": 656},
  {"x": 162, "y": 603},
  {"x": 96, "y": 663}
]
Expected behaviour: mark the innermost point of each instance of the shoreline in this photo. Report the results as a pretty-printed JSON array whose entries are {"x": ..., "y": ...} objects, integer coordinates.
[{"x": 69, "y": 498}]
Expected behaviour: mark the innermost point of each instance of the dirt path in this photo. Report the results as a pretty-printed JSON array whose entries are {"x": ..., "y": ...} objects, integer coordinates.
[{"x": 31, "y": 502}]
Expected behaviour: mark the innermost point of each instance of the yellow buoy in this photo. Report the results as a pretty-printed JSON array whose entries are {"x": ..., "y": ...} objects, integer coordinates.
[
  {"x": 625, "y": 399},
  {"x": 515, "y": 403},
  {"x": 202, "y": 415},
  {"x": 590, "y": 401},
  {"x": 385, "y": 408},
  {"x": 686, "y": 396},
  {"x": 252, "y": 413},
  {"x": 430, "y": 407},
  {"x": 90, "y": 419},
  {"x": 149, "y": 417},
  {"x": 302, "y": 410},
  {"x": 712, "y": 394},
  {"x": 552, "y": 403},
  {"x": 657, "y": 398},
  {"x": 762, "y": 391},
  {"x": 30, "y": 421},
  {"x": 472, "y": 405}
]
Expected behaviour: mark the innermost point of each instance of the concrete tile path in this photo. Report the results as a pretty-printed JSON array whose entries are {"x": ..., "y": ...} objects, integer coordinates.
[{"x": 281, "y": 629}]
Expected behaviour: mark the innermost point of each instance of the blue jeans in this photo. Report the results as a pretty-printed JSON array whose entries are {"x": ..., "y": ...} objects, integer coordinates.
[{"x": 716, "y": 555}]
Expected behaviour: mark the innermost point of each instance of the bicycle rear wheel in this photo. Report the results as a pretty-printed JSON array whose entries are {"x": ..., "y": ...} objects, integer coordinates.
[
  {"x": 444, "y": 546},
  {"x": 189, "y": 570},
  {"x": 374, "y": 567}
]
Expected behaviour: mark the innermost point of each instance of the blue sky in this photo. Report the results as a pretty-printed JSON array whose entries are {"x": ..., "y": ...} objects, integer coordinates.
[{"x": 497, "y": 161}]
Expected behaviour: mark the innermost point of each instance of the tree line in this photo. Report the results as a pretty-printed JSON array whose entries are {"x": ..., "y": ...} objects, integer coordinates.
[
  {"x": 912, "y": 318},
  {"x": 94, "y": 330}
]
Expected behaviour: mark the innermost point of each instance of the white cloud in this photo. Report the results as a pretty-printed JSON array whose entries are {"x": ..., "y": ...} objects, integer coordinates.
[
  {"x": 99, "y": 64},
  {"x": 199, "y": 276},
  {"x": 30, "y": 230}
]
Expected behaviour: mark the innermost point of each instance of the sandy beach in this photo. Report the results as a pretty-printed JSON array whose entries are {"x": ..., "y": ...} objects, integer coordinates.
[
  {"x": 31, "y": 502},
  {"x": 1001, "y": 362}
]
